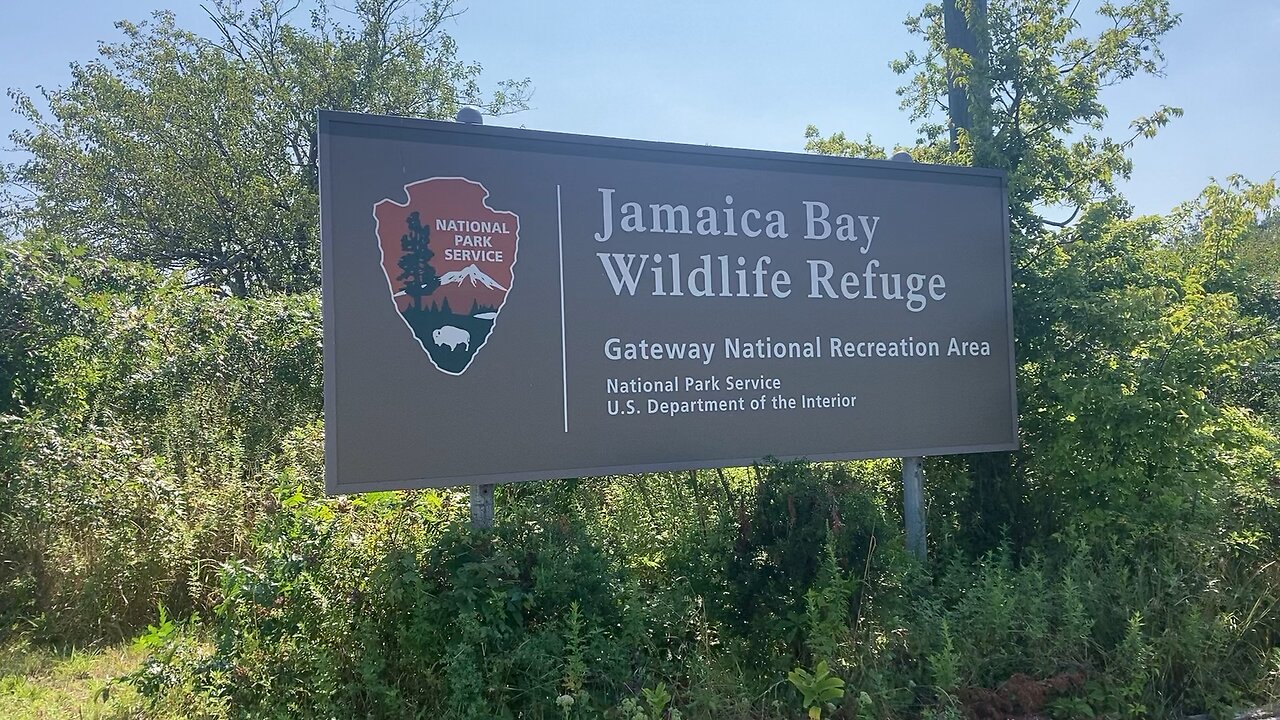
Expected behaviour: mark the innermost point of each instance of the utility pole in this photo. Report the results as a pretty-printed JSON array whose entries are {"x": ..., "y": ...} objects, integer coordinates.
[
  {"x": 969, "y": 106},
  {"x": 958, "y": 26},
  {"x": 958, "y": 23}
]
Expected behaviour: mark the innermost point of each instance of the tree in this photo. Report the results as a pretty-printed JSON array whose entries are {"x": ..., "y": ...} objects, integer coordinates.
[
  {"x": 416, "y": 271},
  {"x": 198, "y": 155},
  {"x": 1121, "y": 339},
  {"x": 1035, "y": 81},
  {"x": 1231, "y": 238}
]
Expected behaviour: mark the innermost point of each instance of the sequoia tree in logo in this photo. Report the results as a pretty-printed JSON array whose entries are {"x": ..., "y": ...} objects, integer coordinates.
[{"x": 448, "y": 258}]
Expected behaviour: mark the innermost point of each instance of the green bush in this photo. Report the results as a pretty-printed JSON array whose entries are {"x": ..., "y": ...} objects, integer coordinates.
[
  {"x": 384, "y": 603},
  {"x": 143, "y": 426}
]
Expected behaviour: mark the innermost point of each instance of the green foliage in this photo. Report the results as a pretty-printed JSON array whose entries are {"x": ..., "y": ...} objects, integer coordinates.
[
  {"x": 793, "y": 572},
  {"x": 1034, "y": 81},
  {"x": 41, "y": 683},
  {"x": 944, "y": 661},
  {"x": 161, "y": 443},
  {"x": 817, "y": 688},
  {"x": 656, "y": 700},
  {"x": 827, "y": 606},
  {"x": 1230, "y": 233},
  {"x": 146, "y": 431},
  {"x": 840, "y": 145},
  {"x": 1102, "y": 308},
  {"x": 1136, "y": 353},
  {"x": 70, "y": 567},
  {"x": 460, "y": 628},
  {"x": 575, "y": 664},
  {"x": 1132, "y": 339},
  {"x": 198, "y": 155},
  {"x": 1149, "y": 632},
  {"x": 52, "y": 295}
]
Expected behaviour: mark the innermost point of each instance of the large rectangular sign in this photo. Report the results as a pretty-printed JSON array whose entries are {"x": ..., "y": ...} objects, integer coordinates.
[{"x": 504, "y": 305}]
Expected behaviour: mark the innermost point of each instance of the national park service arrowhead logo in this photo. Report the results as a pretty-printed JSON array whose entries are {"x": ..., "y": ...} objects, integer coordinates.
[{"x": 448, "y": 258}]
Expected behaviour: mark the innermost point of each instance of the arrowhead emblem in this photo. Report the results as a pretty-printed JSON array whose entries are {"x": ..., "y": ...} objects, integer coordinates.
[{"x": 449, "y": 259}]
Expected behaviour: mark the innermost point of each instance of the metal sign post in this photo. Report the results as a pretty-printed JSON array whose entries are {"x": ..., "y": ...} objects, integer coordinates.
[
  {"x": 913, "y": 477},
  {"x": 481, "y": 507},
  {"x": 481, "y": 495},
  {"x": 913, "y": 505}
]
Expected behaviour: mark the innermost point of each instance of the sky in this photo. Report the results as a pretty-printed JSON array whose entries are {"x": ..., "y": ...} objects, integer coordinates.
[{"x": 753, "y": 74}]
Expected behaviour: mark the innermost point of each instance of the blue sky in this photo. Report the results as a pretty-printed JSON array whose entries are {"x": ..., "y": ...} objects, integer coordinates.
[{"x": 754, "y": 74}]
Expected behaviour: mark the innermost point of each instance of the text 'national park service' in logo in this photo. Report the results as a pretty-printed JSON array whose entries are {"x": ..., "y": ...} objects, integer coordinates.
[{"x": 448, "y": 258}]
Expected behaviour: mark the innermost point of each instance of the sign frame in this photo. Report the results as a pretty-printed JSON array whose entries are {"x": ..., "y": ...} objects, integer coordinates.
[{"x": 501, "y": 138}]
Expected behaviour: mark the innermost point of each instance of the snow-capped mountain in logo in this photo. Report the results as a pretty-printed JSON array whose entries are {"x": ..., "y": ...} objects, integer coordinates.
[{"x": 472, "y": 273}]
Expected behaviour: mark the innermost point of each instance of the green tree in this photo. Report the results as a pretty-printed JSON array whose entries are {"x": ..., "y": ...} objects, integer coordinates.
[
  {"x": 198, "y": 154},
  {"x": 1230, "y": 237},
  {"x": 415, "y": 265},
  {"x": 53, "y": 296},
  {"x": 1035, "y": 81},
  {"x": 1121, "y": 339}
]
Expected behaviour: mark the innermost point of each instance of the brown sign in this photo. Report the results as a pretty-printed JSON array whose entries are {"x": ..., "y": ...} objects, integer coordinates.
[{"x": 504, "y": 305}]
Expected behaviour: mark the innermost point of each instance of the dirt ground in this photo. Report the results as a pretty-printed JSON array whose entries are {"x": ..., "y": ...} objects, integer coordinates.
[{"x": 1018, "y": 698}]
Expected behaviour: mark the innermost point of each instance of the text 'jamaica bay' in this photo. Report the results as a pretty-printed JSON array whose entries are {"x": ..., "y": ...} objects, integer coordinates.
[{"x": 732, "y": 275}]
